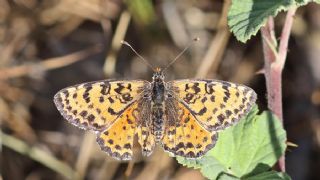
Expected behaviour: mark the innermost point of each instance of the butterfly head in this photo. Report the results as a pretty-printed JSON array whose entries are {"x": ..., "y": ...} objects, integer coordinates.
[{"x": 158, "y": 75}]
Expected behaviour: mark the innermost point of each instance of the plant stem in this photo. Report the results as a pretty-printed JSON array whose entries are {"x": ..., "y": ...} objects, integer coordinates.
[
  {"x": 283, "y": 46},
  {"x": 274, "y": 61}
]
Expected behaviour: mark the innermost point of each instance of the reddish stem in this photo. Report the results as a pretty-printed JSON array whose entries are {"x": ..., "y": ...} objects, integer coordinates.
[
  {"x": 273, "y": 65},
  {"x": 283, "y": 47}
]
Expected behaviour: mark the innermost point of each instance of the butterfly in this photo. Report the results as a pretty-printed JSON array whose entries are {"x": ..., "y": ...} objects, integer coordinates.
[{"x": 182, "y": 116}]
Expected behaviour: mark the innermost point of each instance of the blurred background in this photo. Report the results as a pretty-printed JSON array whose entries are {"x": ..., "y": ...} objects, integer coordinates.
[{"x": 48, "y": 45}]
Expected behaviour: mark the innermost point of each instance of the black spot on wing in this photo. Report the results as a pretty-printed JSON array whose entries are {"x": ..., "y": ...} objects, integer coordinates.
[
  {"x": 111, "y": 111},
  {"x": 110, "y": 141},
  {"x": 127, "y": 146},
  {"x": 91, "y": 118},
  {"x": 209, "y": 88},
  {"x": 105, "y": 88},
  {"x": 202, "y": 111},
  {"x": 204, "y": 99},
  {"x": 84, "y": 113},
  {"x": 119, "y": 88},
  {"x": 85, "y": 95},
  {"x": 196, "y": 88},
  {"x": 126, "y": 97},
  {"x": 186, "y": 87},
  {"x": 110, "y": 99},
  {"x": 188, "y": 97},
  {"x": 66, "y": 93},
  {"x": 221, "y": 118}
]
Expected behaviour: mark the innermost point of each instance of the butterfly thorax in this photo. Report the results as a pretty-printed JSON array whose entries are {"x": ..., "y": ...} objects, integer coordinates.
[{"x": 158, "y": 99}]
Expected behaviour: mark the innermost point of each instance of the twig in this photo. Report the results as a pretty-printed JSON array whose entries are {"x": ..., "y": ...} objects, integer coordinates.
[{"x": 274, "y": 64}]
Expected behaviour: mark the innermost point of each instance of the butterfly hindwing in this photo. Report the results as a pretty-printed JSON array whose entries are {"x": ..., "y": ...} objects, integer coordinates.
[
  {"x": 117, "y": 140},
  {"x": 184, "y": 136},
  {"x": 214, "y": 104}
]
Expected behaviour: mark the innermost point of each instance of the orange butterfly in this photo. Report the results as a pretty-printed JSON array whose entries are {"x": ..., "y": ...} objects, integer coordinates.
[{"x": 182, "y": 116}]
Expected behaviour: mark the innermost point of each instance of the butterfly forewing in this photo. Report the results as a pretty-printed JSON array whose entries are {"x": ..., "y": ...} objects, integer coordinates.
[
  {"x": 214, "y": 104},
  {"x": 96, "y": 105}
]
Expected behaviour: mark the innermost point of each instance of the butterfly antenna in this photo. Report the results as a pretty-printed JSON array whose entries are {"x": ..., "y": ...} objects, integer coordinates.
[
  {"x": 144, "y": 60},
  {"x": 178, "y": 56}
]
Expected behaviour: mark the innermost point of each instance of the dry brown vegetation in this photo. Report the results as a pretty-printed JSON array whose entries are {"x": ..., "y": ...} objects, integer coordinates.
[{"x": 48, "y": 45}]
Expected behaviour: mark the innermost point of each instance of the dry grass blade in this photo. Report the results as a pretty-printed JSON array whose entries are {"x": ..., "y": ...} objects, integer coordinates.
[
  {"x": 61, "y": 10},
  {"x": 159, "y": 165},
  {"x": 110, "y": 62},
  {"x": 129, "y": 169},
  {"x": 38, "y": 155},
  {"x": 213, "y": 56},
  {"x": 108, "y": 169},
  {"x": 175, "y": 23},
  {"x": 85, "y": 154},
  {"x": 48, "y": 64}
]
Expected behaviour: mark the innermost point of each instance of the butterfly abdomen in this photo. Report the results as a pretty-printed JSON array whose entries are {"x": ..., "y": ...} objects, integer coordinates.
[{"x": 157, "y": 122}]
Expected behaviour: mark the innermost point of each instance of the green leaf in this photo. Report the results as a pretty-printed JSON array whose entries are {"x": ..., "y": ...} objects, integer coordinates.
[
  {"x": 246, "y": 17},
  {"x": 227, "y": 177},
  {"x": 211, "y": 167},
  {"x": 258, "y": 139},
  {"x": 249, "y": 148},
  {"x": 208, "y": 165},
  {"x": 274, "y": 175},
  {"x": 317, "y": 1},
  {"x": 304, "y": 2}
]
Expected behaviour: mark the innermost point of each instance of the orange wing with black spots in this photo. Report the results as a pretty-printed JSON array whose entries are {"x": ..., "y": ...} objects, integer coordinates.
[
  {"x": 184, "y": 136},
  {"x": 117, "y": 140},
  {"x": 107, "y": 107},
  {"x": 214, "y": 104}
]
